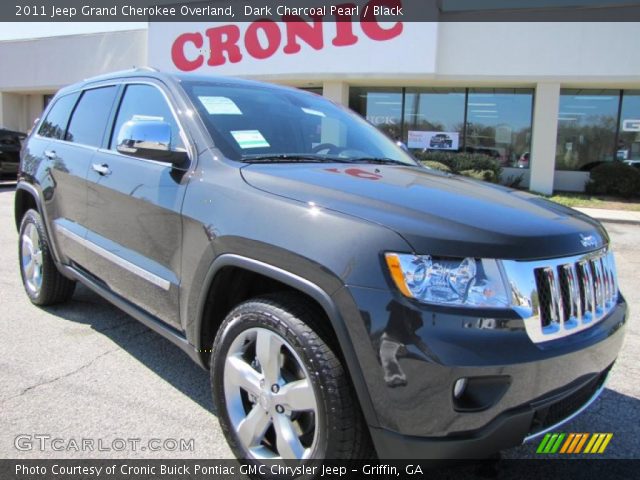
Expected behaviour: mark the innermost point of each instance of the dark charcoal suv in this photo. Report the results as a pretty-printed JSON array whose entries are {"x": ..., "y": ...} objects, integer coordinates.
[
  {"x": 440, "y": 140},
  {"x": 345, "y": 299}
]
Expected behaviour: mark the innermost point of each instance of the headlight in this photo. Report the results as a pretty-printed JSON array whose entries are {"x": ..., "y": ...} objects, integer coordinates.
[{"x": 466, "y": 282}]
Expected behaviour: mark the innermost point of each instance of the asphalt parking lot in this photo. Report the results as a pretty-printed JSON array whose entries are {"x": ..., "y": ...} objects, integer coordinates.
[{"x": 85, "y": 370}]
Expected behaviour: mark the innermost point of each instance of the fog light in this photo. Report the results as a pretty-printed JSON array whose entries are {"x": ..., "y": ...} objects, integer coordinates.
[{"x": 458, "y": 387}]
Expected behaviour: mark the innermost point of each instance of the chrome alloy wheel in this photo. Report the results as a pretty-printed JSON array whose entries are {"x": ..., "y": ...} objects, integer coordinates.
[
  {"x": 31, "y": 258},
  {"x": 269, "y": 397}
]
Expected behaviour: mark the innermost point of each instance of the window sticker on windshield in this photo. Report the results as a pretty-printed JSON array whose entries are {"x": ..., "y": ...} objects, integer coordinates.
[
  {"x": 310, "y": 111},
  {"x": 249, "y": 139},
  {"x": 219, "y": 106}
]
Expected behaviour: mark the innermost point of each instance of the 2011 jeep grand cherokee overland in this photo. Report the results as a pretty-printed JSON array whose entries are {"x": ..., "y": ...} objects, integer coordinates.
[{"x": 345, "y": 299}]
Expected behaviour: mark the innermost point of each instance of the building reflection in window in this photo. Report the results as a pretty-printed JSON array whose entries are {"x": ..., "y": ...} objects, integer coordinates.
[
  {"x": 587, "y": 121},
  {"x": 434, "y": 110},
  {"x": 494, "y": 122},
  {"x": 499, "y": 124},
  {"x": 628, "y": 148},
  {"x": 380, "y": 106}
]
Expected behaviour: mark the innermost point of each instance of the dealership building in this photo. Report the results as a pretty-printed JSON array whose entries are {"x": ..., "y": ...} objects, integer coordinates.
[{"x": 547, "y": 100}]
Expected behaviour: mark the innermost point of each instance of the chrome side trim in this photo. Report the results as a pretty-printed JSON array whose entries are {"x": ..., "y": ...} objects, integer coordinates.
[
  {"x": 569, "y": 418},
  {"x": 121, "y": 262}
]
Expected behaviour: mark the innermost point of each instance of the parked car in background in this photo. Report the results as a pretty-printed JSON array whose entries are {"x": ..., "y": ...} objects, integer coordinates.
[
  {"x": 523, "y": 161},
  {"x": 497, "y": 153},
  {"x": 441, "y": 140},
  {"x": 10, "y": 145}
]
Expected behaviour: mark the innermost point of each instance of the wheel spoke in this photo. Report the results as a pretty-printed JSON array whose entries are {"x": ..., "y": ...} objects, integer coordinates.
[
  {"x": 251, "y": 430},
  {"x": 37, "y": 257},
  {"x": 243, "y": 375},
  {"x": 35, "y": 238},
  {"x": 268, "y": 347},
  {"x": 26, "y": 242},
  {"x": 29, "y": 269},
  {"x": 297, "y": 396},
  {"x": 287, "y": 441}
]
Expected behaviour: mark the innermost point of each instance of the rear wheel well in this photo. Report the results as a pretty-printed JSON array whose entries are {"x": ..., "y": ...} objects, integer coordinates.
[
  {"x": 234, "y": 285},
  {"x": 24, "y": 201}
]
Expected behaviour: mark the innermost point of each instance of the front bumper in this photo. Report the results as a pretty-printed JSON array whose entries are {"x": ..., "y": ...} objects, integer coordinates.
[{"x": 411, "y": 355}]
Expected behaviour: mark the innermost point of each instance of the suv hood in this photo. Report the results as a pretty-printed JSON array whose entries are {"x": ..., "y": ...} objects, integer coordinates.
[{"x": 437, "y": 214}]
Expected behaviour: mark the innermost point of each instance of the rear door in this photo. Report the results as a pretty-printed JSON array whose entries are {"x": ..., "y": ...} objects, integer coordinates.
[
  {"x": 134, "y": 223},
  {"x": 68, "y": 159},
  {"x": 57, "y": 158}
]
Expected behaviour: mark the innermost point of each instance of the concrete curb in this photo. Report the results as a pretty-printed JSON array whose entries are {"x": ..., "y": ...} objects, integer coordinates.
[{"x": 624, "y": 217}]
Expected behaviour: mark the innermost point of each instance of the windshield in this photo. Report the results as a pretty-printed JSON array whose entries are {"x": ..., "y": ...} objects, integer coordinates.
[{"x": 253, "y": 123}]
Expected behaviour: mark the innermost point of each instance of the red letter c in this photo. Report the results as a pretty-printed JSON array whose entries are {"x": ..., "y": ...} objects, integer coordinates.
[{"x": 177, "y": 52}]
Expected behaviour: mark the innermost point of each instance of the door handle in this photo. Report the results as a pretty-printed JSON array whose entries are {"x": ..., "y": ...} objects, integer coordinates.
[
  {"x": 102, "y": 169},
  {"x": 50, "y": 154}
]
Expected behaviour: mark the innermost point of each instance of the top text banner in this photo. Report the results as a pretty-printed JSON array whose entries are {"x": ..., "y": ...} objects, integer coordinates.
[{"x": 339, "y": 10}]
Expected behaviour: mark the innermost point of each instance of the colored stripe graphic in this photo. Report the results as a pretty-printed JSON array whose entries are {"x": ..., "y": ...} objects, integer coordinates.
[
  {"x": 581, "y": 442},
  {"x": 556, "y": 445},
  {"x": 543, "y": 443},
  {"x": 576, "y": 439},
  {"x": 598, "y": 443},
  {"x": 550, "y": 443},
  {"x": 574, "y": 443},
  {"x": 567, "y": 443},
  {"x": 605, "y": 442},
  {"x": 594, "y": 439}
]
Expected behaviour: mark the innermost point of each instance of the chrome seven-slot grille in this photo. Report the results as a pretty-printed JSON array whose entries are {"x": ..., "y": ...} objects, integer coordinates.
[
  {"x": 576, "y": 294},
  {"x": 561, "y": 296}
]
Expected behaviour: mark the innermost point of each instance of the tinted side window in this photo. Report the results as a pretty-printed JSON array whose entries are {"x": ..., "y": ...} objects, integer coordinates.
[
  {"x": 145, "y": 102},
  {"x": 57, "y": 119},
  {"x": 90, "y": 116}
]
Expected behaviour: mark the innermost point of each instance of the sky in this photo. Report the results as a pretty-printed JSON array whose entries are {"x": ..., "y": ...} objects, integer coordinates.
[{"x": 19, "y": 30}]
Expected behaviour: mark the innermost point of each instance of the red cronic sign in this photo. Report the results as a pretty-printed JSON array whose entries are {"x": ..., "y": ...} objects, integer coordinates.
[{"x": 227, "y": 43}]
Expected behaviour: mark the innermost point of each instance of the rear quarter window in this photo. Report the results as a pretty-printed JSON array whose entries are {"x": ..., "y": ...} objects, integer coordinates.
[{"x": 56, "y": 121}]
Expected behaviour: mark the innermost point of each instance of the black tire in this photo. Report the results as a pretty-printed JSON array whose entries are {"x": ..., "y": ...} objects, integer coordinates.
[
  {"x": 341, "y": 430},
  {"x": 54, "y": 287}
]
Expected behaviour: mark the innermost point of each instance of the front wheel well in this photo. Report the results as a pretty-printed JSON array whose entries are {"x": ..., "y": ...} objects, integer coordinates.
[
  {"x": 24, "y": 201},
  {"x": 234, "y": 285}
]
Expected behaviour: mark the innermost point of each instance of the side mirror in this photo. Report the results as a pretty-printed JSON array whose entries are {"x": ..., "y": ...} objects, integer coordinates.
[{"x": 149, "y": 139}]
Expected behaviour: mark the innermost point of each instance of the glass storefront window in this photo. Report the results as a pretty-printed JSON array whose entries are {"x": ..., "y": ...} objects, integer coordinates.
[
  {"x": 587, "y": 123},
  {"x": 499, "y": 124},
  {"x": 628, "y": 148},
  {"x": 380, "y": 106},
  {"x": 438, "y": 111}
]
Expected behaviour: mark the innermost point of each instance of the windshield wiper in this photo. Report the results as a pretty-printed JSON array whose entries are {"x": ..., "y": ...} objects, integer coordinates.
[
  {"x": 291, "y": 158},
  {"x": 380, "y": 160}
]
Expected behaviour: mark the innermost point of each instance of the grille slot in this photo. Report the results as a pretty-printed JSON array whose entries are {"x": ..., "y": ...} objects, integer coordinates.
[{"x": 575, "y": 294}]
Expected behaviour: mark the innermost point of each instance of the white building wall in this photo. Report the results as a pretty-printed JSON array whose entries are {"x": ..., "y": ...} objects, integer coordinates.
[
  {"x": 544, "y": 136},
  {"x": 13, "y": 111},
  {"x": 571, "y": 53},
  {"x": 45, "y": 65}
]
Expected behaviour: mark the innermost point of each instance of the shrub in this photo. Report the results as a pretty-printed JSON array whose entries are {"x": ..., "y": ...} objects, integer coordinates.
[
  {"x": 436, "y": 166},
  {"x": 614, "y": 178},
  {"x": 484, "y": 175},
  {"x": 513, "y": 181},
  {"x": 470, "y": 164}
]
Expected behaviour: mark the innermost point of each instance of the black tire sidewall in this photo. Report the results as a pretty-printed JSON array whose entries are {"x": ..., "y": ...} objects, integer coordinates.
[
  {"x": 252, "y": 315},
  {"x": 33, "y": 217}
]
